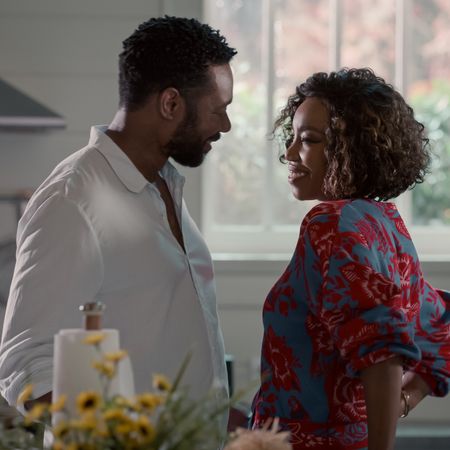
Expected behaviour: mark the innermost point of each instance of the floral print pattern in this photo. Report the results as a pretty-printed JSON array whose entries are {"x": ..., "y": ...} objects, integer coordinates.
[{"x": 352, "y": 295}]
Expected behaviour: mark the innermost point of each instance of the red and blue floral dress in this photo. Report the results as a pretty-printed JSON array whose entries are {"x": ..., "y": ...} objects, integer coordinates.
[{"x": 352, "y": 295}]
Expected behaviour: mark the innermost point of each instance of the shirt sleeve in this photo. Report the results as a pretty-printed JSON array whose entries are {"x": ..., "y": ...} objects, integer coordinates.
[
  {"x": 358, "y": 301},
  {"x": 433, "y": 335},
  {"x": 58, "y": 267}
]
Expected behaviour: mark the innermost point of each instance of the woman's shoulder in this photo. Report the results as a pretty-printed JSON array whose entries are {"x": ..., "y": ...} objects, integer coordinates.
[
  {"x": 353, "y": 209},
  {"x": 332, "y": 211},
  {"x": 323, "y": 219},
  {"x": 325, "y": 209},
  {"x": 351, "y": 214}
]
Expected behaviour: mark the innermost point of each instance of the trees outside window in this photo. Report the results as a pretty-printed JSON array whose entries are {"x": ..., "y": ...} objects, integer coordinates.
[{"x": 280, "y": 42}]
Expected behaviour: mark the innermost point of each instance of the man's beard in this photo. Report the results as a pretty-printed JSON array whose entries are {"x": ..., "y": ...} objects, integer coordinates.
[{"x": 186, "y": 146}]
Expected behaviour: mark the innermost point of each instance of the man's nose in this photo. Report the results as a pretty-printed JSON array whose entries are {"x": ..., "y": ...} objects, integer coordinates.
[{"x": 226, "y": 126}]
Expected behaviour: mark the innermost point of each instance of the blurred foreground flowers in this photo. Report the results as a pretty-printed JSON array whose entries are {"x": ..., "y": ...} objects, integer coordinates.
[
  {"x": 263, "y": 439},
  {"x": 163, "y": 419}
]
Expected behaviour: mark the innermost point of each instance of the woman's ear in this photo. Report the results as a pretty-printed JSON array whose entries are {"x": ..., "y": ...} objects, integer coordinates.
[{"x": 170, "y": 103}]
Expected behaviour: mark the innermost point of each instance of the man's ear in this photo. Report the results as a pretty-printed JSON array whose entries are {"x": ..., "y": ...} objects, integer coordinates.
[{"x": 170, "y": 103}]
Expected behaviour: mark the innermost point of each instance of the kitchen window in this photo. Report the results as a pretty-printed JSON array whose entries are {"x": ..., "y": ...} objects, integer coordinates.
[{"x": 247, "y": 204}]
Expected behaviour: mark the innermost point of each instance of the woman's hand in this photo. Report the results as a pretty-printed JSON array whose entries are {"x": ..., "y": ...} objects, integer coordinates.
[{"x": 382, "y": 387}]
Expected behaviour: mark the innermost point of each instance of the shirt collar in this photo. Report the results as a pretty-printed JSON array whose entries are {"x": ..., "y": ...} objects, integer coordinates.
[{"x": 125, "y": 170}]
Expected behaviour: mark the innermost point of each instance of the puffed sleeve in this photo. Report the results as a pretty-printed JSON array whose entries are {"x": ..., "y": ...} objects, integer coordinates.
[
  {"x": 59, "y": 267},
  {"x": 359, "y": 301},
  {"x": 433, "y": 336}
]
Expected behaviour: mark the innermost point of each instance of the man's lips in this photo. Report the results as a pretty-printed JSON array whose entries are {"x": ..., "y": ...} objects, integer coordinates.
[
  {"x": 209, "y": 141},
  {"x": 214, "y": 138}
]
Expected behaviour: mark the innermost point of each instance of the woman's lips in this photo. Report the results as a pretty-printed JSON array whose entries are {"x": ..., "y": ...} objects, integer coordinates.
[
  {"x": 294, "y": 175},
  {"x": 296, "y": 172}
]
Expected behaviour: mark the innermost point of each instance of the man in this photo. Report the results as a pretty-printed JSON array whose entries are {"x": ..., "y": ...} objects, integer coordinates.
[{"x": 109, "y": 224}]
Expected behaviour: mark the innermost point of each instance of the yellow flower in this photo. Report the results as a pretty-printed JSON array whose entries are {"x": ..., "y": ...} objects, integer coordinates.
[
  {"x": 104, "y": 368},
  {"x": 101, "y": 431},
  {"x": 88, "y": 401},
  {"x": 124, "y": 428},
  {"x": 35, "y": 413},
  {"x": 25, "y": 394},
  {"x": 129, "y": 442},
  {"x": 115, "y": 357},
  {"x": 145, "y": 429},
  {"x": 94, "y": 338},
  {"x": 86, "y": 422},
  {"x": 115, "y": 414},
  {"x": 73, "y": 446},
  {"x": 58, "y": 445},
  {"x": 61, "y": 429},
  {"x": 148, "y": 401},
  {"x": 122, "y": 402},
  {"x": 161, "y": 382},
  {"x": 59, "y": 404}
]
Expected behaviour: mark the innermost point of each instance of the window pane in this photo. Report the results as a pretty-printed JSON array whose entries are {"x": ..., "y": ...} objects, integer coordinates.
[
  {"x": 301, "y": 33},
  {"x": 237, "y": 161},
  {"x": 368, "y": 36},
  {"x": 280, "y": 43},
  {"x": 429, "y": 93},
  {"x": 301, "y": 43}
]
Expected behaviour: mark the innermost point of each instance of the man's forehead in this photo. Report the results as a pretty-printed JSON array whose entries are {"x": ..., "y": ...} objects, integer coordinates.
[{"x": 221, "y": 78}]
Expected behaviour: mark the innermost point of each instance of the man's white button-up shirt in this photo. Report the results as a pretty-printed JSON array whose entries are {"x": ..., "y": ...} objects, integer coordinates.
[{"x": 97, "y": 230}]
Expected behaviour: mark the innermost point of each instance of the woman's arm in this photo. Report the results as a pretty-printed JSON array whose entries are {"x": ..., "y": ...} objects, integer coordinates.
[
  {"x": 382, "y": 387},
  {"x": 415, "y": 388}
]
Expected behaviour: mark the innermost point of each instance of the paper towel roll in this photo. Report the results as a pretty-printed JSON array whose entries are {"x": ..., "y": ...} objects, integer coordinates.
[{"x": 73, "y": 371}]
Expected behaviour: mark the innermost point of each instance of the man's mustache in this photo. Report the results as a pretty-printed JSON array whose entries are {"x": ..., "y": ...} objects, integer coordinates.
[{"x": 214, "y": 138}]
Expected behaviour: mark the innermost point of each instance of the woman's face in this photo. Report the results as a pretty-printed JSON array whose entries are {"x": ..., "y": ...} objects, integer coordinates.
[{"x": 307, "y": 163}]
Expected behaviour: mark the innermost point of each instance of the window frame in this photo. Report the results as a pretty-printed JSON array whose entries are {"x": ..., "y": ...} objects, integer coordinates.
[{"x": 278, "y": 241}]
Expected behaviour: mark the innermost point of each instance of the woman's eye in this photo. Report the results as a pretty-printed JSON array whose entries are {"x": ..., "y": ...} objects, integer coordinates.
[
  {"x": 288, "y": 142},
  {"x": 309, "y": 140}
]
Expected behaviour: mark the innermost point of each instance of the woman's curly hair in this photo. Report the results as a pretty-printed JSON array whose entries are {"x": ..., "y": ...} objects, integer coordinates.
[
  {"x": 375, "y": 147},
  {"x": 168, "y": 52}
]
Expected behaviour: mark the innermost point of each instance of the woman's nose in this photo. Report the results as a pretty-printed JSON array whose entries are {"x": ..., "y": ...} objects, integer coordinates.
[{"x": 291, "y": 153}]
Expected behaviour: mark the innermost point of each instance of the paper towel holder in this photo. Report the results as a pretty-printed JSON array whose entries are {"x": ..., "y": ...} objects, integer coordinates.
[{"x": 92, "y": 314}]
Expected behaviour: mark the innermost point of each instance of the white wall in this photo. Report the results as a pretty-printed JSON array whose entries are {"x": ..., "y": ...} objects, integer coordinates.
[{"x": 64, "y": 54}]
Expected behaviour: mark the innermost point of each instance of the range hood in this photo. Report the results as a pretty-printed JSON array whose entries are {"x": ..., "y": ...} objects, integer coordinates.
[{"x": 18, "y": 111}]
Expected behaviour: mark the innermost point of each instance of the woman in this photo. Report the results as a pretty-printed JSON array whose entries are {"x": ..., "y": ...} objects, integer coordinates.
[{"x": 354, "y": 337}]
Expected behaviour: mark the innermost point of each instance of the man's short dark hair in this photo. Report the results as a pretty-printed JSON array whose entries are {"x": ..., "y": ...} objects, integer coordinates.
[{"x": 168, "y": 52}]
